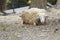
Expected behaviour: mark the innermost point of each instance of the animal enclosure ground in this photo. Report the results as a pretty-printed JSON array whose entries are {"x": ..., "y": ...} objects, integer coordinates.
[{"x": 11, "y": 28}]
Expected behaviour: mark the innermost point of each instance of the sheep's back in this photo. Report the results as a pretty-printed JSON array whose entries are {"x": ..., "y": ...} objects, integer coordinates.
[{"x": 29, "y": 16}]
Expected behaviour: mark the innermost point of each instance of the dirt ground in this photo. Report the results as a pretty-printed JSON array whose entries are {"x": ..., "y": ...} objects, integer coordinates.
[{"x": 11, "y": 28}]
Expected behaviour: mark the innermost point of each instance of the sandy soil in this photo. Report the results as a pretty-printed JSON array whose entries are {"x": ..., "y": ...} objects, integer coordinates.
[{"x": 11, "y": 28}]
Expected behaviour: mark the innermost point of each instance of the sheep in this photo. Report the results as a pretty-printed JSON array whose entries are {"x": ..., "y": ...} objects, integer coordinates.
[{"x": 34, "y": 16}]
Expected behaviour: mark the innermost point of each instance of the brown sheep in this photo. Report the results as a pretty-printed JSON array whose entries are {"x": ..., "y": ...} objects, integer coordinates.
[{"x": 34, "y": 16}]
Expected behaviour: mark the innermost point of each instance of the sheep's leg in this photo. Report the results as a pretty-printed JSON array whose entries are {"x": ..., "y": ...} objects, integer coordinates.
[
  {"x": 23, "y": 22},
  {"x": 34, "y": 23}
]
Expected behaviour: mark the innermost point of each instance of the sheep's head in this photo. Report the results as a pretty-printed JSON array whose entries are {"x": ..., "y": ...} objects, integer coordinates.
[{"x": 43, "y": 17}]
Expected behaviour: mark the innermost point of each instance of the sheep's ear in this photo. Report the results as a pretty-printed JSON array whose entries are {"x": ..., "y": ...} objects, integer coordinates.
[{"x": 46, "y": 16}]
